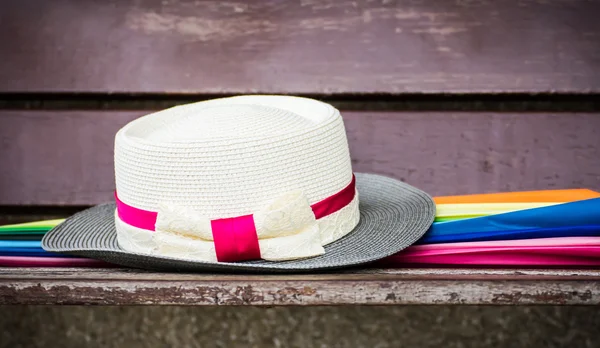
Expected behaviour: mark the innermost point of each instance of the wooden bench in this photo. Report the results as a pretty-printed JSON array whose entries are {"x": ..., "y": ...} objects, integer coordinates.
[
  {"x": 452, "y": 97},
  {"x": 362, "y": 287}
]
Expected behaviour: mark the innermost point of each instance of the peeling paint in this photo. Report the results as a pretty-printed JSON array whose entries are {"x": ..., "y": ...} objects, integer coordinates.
[
  {"x": 543, "y": 297},
  {"x": 440, "y": 31},
  {"x": 315, "y": 292},
  {"x": 198, "y": 28}
]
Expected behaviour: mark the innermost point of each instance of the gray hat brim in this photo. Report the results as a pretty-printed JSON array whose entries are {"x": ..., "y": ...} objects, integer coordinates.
[{"x": 393, "y": 216}]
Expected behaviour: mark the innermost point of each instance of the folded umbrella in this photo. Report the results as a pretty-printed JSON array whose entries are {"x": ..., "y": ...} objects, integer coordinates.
[
  {"x": 29, "y": 244},
  {"x": 469, "y": 206},
  {"x": 22, "y": 248},
  {"x": 32, "y": 261},
  {"x": 566, "y": 219},
  {"x": 27, "y": 252},
  {"x": 36, "y": 227},
  {"x": 21, "y": 237},
  {"x": 20, "y": 245},
  {"x": 458, "y": 211},
  {"x": 564, "y": 251},
  {"x": 511, "y": 234},
  {"x": 557, "y": 196}
]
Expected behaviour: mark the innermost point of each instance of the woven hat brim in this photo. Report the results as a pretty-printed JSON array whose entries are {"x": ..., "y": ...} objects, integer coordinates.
[{"x": 393, "y": 216}]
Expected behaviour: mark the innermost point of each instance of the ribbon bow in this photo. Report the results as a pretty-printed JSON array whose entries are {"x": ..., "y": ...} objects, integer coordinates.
[{"x": 286, "y": 229}]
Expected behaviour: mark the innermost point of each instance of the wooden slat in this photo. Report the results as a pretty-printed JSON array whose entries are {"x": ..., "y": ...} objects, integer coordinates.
[
  {"x": 311, "y": 46},
  {"x": 66, "y": 157},
  {"x": 370, "y": 286}
]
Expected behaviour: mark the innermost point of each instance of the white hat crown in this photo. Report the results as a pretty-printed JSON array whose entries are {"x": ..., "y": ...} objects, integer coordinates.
[{"x": 231, "y": 157}]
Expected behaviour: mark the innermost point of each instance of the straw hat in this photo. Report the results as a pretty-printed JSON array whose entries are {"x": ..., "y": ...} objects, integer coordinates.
[{"x": 244, "y": 183}]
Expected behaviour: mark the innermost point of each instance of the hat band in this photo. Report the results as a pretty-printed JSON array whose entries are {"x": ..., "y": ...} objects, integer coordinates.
[{"x": 235, "y": 238}]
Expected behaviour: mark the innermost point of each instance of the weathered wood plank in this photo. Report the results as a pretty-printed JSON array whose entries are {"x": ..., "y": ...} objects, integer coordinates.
[
  {"x": 362, "y": 274},
  {"x": 308, "y": 46},
  {"x": 66, "y": 157},
  {"x": 378, "y": 287}
]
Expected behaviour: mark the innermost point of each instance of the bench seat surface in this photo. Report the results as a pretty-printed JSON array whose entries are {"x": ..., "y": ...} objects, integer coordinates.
[{"x": 115, "y": 286}]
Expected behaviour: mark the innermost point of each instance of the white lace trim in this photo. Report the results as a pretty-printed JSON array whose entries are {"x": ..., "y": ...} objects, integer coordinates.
[{"x": 286, "y": 229}]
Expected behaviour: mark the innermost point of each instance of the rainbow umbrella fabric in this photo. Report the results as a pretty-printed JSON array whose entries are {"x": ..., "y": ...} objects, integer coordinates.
[
  {"x": 529, "y": 228},
  {"x": 20, "y": 246},
  {"x": 559, "y": 228}
]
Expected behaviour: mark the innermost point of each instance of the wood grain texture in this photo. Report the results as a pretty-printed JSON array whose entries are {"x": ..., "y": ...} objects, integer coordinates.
[
  {"x": 381, "y": 287},
  {"x": 363, "y": 274},
  {"x": 66, "y": 157},
  {"x": 310, "y": 46}
]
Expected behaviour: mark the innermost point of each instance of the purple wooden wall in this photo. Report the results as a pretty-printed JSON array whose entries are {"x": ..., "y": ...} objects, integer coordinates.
[
  {"x": 65, "y": 157},
  {"x": 374, "y": 55},
  {"x": 316, "y": 46}
]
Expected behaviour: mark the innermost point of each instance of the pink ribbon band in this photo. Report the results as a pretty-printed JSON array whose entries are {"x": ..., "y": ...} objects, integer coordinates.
[
  {"x": 335, "y": 202},
  {"x": 135, "y": 217},
  {"x": 235, "y": 238}
]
